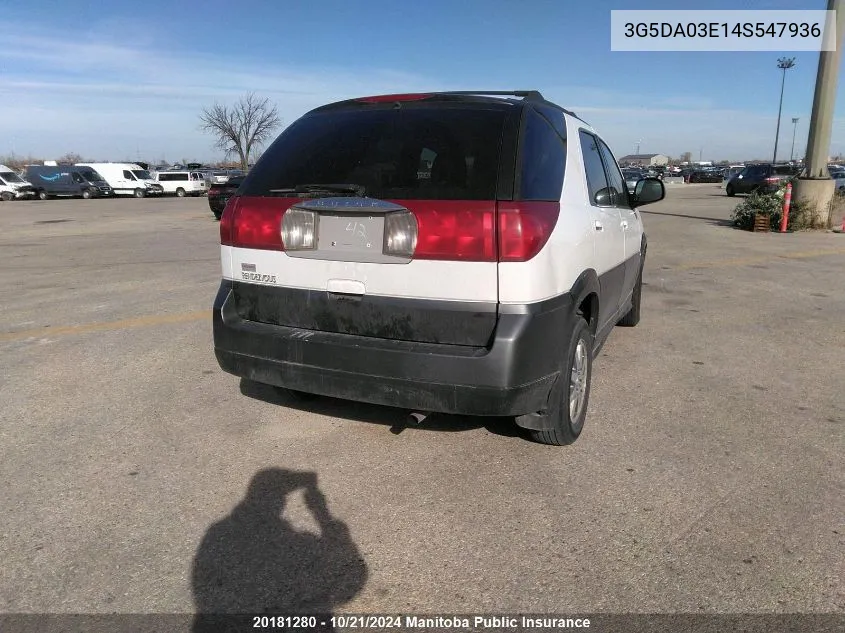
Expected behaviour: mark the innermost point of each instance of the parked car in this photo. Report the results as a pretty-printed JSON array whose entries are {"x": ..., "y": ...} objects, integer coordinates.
[
  {"x": 632, "y": 177},
  {"x": 182, "y": 183},
  {"x": 435, "y": 256},
  {"x": 127, "y": 179},
  {"x": 13, "y": 187},
  {"x": 218, "y": 195},
  {"x": 221, "y": 176},
  {"x": 67, "y": 181},
  {"x": 762, "y": 177},
  {"x": 705, "y": 176}
]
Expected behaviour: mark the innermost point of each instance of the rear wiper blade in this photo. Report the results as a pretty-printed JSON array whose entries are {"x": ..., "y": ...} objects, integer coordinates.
[{"x": 358, "y": 190}]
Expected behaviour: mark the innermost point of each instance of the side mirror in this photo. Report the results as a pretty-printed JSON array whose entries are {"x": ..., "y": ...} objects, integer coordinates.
[
  {"x": 648, "y": 190},
  {"x": 605, "y": 197}
]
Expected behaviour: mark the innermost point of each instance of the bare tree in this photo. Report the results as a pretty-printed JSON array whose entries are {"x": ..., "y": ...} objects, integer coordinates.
[
  {"x": 242, "y": 127},
  {"x": 70, "y": 158}
]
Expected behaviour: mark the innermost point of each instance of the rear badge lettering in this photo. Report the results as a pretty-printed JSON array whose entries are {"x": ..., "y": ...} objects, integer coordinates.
[
  {"x": 249, "y": 273},
  {"x": 270, "y": 279}
]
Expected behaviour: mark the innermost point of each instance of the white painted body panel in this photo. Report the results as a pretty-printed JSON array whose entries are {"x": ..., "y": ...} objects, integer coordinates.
[
  {"x": 575, "y": 245},
  {"x": 421, "y": 279},
  {"x": 192, "y": 185},
  {"x": 112, "y": 173}
]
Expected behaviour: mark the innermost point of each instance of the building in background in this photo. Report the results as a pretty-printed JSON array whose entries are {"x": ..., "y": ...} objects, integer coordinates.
[{"x": 644, "y": 160}]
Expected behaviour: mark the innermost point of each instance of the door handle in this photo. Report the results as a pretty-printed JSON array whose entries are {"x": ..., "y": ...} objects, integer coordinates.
[{"x": 599, "y": 226}]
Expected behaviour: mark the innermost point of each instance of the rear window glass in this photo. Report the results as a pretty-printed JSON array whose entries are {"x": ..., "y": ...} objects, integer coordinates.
[
  {"x": 543, "y": 160},
  {"x": 755, "y": 170},
  {"x": 407, "y": 153}
]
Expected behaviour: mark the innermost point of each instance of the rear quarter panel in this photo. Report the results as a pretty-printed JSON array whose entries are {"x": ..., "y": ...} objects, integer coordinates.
[{"x": 570, "y": 249}]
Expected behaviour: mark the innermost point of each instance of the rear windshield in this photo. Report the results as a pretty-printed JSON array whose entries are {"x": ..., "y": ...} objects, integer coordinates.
[{"x": 406, "y": 153}]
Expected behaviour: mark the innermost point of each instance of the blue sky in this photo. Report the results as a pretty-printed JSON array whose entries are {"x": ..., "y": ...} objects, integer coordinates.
[{"x": 115, "y": 80}]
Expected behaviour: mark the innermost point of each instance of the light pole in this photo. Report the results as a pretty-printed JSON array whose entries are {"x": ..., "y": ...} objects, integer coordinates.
[
  {"x": 784, "y": 63},
  {"x": 794, "y": 127},
  {"x": 638, "y": 147}
]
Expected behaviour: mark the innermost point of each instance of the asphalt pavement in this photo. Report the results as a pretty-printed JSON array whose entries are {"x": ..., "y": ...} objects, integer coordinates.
[{"x": 137, "y": 477}]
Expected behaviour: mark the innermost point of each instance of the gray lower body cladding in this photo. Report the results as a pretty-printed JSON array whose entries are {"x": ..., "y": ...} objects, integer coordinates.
[{"x": 511, "y": 374}]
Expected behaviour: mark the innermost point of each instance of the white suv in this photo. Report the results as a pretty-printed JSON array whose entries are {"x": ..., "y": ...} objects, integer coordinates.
[{"x": 461, "y": 253}]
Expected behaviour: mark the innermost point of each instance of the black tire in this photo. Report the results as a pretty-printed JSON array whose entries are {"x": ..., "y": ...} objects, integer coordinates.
[
  {"x": 217, "y": 215},
  {"x": 86, "y": 194},
  {"x": 180, "y": 192},
  {"x": 42, "y": 195},
  {"x": 633, "y": 315},
  {"x": 565, "y": 430},
  {"x": 140, "y": 193},
  {"x": 730, "y": 191},
  {"x": 7, "y": 196}
]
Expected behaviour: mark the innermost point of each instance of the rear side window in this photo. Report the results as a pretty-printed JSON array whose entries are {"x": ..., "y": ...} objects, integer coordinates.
[
  {"x": 407, "y": 153},
  {"x": 543, "y": 159},
  {"x": 753, "y": 171},
  {"x": 172, "y": 177},
  {"x": 593, "y": 167}
]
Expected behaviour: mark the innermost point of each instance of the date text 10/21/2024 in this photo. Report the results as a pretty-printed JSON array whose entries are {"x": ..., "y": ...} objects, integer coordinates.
[{"x": 409, "y": 622}]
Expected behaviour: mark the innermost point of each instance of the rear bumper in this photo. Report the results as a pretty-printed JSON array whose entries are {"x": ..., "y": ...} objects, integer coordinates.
[{"x": 511, "y": 376}]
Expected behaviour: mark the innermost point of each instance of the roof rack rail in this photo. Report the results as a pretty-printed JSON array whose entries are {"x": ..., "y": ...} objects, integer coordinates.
[{"x": 528, "y": 95}]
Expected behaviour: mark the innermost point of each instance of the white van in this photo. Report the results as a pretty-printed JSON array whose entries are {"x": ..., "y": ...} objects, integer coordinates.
[
  {"x": 127, "y": 179},
  {"x": 13, "y": 186},
  {"x": 182, "y": 183}
]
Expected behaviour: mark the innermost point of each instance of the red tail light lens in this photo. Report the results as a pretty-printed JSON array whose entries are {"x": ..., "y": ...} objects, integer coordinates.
[
  {"x": 461, "y": 230},
  {"x": 254, "y": 222},
  {"x": 772, "y": 180},
  {"x": 451, "y": 230},
  {"x": 524, "y": 228}
]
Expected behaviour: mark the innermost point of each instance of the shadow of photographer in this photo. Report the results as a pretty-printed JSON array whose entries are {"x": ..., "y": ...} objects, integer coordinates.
[{"x": 255, "y": 562}]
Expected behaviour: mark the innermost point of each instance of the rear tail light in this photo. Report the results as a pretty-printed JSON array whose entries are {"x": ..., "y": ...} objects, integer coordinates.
[
  {"x": 469, "y": 231},
  {"x": 299, "y": 230},
  {"x": 400, "y": 233},
  {"x": 772, "y": 180},
  {"x": 253, "y": 223},
  {"x": 453, "y": 230},
  {"x": 456, "y": 230},
  {"x": 524, "y": 228}
]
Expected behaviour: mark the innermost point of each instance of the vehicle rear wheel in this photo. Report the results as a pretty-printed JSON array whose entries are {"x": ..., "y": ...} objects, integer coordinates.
[
  {"x": 140, "y": 193},
  {"x": 43, "y": 195},
  {"x": 730, "y": 191},
  {"x": 86, "y": 194},
  {"x": 180, "y": 192},
  {"x": 633, "y": 315},
  {"x": 6, "y": 196},
  {"x": 570, "y": 394},
  {"x": 217, "y": 215}
]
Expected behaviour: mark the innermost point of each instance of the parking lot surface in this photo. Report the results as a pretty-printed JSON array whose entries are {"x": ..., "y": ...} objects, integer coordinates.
[{"x": 137, "y": 477}]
